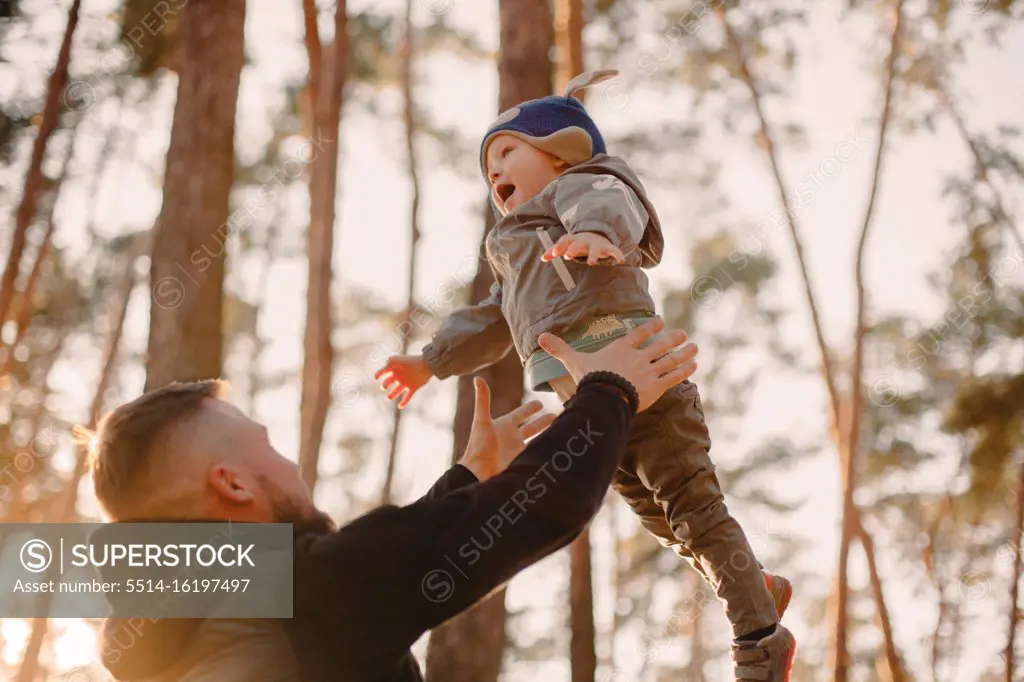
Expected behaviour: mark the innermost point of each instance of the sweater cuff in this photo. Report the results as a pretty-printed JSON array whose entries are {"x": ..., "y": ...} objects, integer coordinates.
[
  {"x": 467, "y": 476},
  {"x": 435, "y": 361},
  {"x": 456, "y": 477},
  {"x": 611, "y": 379}
]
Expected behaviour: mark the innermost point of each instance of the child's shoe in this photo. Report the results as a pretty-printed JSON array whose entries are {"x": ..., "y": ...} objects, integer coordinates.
[
  {"x": 782, "y": 591},
  {"x": 768, "y": 660}
]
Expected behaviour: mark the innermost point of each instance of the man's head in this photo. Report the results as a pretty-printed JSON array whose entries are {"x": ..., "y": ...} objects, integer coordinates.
[
  {"x": 557, "y": 130},
  {"x": 182, "y": 451}
]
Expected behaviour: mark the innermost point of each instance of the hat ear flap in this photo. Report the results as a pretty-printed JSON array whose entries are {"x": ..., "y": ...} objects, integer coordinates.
[{"x": 588, "y": 78}]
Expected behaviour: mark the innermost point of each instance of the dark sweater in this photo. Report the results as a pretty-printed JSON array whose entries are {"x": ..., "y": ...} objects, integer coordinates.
[{"x": 365, "y": 593}]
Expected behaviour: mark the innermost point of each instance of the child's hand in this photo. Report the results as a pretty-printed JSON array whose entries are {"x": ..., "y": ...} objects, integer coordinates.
[
  {"x": 590, "y": 244},
  {"x": 403, "y": 373}
]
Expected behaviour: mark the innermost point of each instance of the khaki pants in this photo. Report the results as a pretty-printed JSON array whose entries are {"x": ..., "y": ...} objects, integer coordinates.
[{"x": 668, "y": 479}]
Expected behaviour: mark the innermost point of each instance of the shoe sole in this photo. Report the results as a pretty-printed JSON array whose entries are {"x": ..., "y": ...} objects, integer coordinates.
[
  {"x": 789, "y": 661},
  {"x": 783, "y": 604},
  {"x": 781, "y": 601}
]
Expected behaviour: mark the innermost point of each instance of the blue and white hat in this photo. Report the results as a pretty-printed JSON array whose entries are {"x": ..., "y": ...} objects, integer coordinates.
[{"x": 557, "y": 125}]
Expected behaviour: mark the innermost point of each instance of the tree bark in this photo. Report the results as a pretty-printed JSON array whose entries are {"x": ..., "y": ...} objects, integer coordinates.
[
  {"x": 569, "y": 41},
  {"x": 582, "y": 654},
  {"x": 314, "y": 55},
  {"x": 618, "y": 579},
  {"x": 469, "y": 647},
  {"x": 1015, "y": 585},
  {"x": 837, "y": 430},
  {"x": 698, "y": 656},
  {"x": 23, "y": 315},
  {"x": 34, "y": 178},
  {"x": 187, "y": 273},
  {"x": 30, "y": 660},
  {"x": 409, "y": 117},
  {"x": 930, "y": 557},
  {"x": 327, "y": 82},
  {"x": 568, "y": 31},
  {"x": 892, "y": 656},
  {"x": 747, "y": 77}
]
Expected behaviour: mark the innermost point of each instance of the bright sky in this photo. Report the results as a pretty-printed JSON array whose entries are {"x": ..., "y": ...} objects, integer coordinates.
[{"x": 834, "y": 94}]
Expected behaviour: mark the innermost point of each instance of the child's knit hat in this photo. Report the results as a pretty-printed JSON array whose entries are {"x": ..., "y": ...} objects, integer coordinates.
[{"x": 557, "y": 125}]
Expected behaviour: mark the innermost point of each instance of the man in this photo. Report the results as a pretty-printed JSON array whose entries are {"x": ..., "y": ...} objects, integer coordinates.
[{"x": 363, "y": 594}]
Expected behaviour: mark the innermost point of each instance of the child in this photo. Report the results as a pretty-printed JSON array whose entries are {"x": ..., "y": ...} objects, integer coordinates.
[{"x": 576, "y": 228}]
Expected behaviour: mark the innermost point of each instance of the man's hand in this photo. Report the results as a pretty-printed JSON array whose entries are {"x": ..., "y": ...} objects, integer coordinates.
[
  {"x": 652, "y": 370},
  {"x": 403, "y": 373},
  {"x": 594, "y": 246},
  {"x": 494, "y": 443}
]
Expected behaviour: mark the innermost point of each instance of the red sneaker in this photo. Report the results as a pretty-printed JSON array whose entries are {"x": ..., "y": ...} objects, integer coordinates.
[{"x": 782, "y": 591}]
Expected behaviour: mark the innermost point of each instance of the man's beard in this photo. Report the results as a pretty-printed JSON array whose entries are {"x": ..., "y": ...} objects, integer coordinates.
[{"x": 304, "y": 516}]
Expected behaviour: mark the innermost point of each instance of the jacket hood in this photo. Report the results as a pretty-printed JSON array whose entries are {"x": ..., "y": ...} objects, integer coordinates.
[
  {"x": 199, "y": 649},
  {"x": 124, "y": 602},
  {"x": 131, "y": 647},
  {"x": 140, "y": 648},
  {"x": 652, "y": 245}
]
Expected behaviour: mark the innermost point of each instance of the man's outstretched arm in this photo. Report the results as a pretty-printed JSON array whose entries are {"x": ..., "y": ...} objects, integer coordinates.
[{"x": 401, "y": 571}]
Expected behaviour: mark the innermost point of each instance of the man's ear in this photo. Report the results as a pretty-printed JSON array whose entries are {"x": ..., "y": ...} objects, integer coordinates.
[{"x": 230, "y": 485}]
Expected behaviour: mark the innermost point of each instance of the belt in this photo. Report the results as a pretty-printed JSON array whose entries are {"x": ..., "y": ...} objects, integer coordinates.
[{"x": 588, "y": 337}]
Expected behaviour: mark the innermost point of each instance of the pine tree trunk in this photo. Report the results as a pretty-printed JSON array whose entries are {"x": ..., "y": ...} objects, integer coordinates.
[
  {"x": 892, "y": 656},
  {"x": 569, "y": 40},
  {"x": 851, "y": 433},
  {"x": 698, "y": 655},
  {"x": 568, "y": 26},
  {"x": 326, "y": 84},
  {"x": 930, "y": 556},
  {"x": 582, "y": 655},
  {"x": 23, "y": 314},
  {"x": 469, "y": 647},
  {"x": 187, "y": 272},
  {"x": 34, "y": 177},
  {"x": 409, "y": 116},
  {"x": 1011, "y": 636},
  {"x": 827, "y": 368},
  {"x": 618, "y": 580},
  {"x": 839, "y": 426},
  {"x": 30, "y": 660}
]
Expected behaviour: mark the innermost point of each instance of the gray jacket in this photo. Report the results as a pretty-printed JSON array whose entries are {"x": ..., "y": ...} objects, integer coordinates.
[{"x": 529, "y": 296}]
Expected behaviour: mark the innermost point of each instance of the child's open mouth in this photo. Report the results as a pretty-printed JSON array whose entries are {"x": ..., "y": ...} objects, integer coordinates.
[{"x": 505, "y": 191}]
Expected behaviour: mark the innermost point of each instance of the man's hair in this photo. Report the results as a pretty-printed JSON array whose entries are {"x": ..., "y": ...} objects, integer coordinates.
[{"x": 128, "y": 439}]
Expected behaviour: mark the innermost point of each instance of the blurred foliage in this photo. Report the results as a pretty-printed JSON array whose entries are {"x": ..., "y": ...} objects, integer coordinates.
[
  {"x": 149, "y": 28},
  {"x": 945, "y": 424},
  {"x": 942, "y": 427},
  {"x": 8, "y": 9}
]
